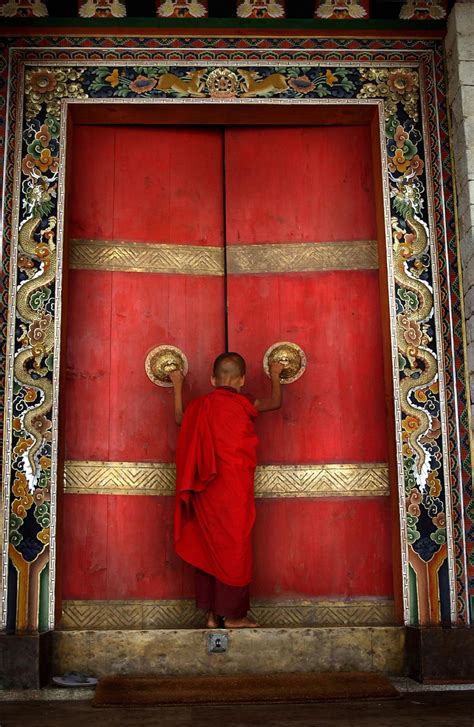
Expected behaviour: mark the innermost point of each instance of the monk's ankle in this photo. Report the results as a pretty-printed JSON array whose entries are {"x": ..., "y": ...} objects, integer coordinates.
[{"x": 212, "y": 622}]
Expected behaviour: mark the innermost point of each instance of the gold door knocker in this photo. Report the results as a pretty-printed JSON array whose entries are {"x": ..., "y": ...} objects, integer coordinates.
[
  {"x": 291, "y": 356},
  {"x": 161, "y": 360}
]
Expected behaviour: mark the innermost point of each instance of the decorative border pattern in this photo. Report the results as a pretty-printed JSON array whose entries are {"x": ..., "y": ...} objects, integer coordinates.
[
  {"x": 453, "y": 326},
  {"x": 102, "y": 615},
  {"x": 429, "y": 396},
  {"x": 147, "y": 257},
  {"x": 119, "y": 478},
  {"x": 145, "y": 478},
  {"x": 302, "y": 257},
  {"x": 203, "y": 260}
]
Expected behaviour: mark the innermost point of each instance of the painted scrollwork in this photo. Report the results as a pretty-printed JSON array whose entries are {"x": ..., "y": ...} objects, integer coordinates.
[
  {"x": 24, "y": 9},
  {"x": 222, "y": 82},
  {"x": 395, "y": 85},
  {"x": 423, "y": 10},
  {"x": 181, "y": 9},
  {"x": 35, "y": 306},
  {"x": 33, "y": 362},
  {"x": 102, "y": 9},
  {"x": 421, "y": 429},
  {"x": 260, "y": 9},
  {"x": 45, "y": 87},
  {"x": 416, "y": 336}
]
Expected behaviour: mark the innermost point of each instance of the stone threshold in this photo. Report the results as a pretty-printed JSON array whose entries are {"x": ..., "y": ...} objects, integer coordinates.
[{"x": 254, "y": 651}]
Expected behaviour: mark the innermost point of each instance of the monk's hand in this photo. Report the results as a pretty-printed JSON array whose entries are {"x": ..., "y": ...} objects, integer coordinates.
[
  {"x": 176, "y": 377},
  {"x": 275, "y": 369}
]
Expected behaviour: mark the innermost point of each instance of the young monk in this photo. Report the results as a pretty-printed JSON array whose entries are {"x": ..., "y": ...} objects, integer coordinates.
[{"x": 215, "y": 507}]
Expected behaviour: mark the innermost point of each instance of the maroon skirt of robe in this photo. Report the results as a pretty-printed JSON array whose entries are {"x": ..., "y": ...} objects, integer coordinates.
[{"x": 215, "y": 467}]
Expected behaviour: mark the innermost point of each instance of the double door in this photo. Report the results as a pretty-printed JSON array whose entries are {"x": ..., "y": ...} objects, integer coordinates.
[{"x": 212, "y": 238}]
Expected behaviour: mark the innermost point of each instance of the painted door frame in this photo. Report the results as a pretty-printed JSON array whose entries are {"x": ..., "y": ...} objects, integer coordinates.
[{"x": 193, "y": 87}]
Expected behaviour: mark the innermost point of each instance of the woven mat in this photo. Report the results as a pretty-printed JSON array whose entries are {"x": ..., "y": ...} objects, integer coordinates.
[{"x": 130, "y": 691}]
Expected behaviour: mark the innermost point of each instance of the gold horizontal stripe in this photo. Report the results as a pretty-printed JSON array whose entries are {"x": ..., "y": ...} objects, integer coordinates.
[
  {"x": 302, "y": 257},
  {"x": 205, "y": 260},
  {"x": 119, "y": 478},
  {"x": 83, "y": 615},
  {"x": 327, "y": 480},
  {"x": 139, "y": 257},
  {"x": 145, "y": 478}
]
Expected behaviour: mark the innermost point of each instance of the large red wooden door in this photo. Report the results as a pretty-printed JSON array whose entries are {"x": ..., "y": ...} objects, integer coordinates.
[
  {"x": 133, "y": 187},
  {"x": 270, "y": 196},
  {"x": 298, "y": 201}
]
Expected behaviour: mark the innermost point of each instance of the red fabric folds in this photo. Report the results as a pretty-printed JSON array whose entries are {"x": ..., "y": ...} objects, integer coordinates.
[{"x": 215, "y": 466}]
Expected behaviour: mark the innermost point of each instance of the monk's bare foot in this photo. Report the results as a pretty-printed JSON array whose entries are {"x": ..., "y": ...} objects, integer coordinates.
[
  {"x": 212, "y": 622},
  {"x": 240, "y": 623}
]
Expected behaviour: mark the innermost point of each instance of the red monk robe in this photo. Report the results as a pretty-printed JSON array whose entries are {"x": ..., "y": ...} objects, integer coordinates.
[{"x": 215, "y": 466}]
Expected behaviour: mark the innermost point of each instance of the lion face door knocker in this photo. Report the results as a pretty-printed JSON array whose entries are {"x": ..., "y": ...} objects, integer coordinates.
[
  {"x": 292, "y": 358},
  {"x": 161, "y": 360}
]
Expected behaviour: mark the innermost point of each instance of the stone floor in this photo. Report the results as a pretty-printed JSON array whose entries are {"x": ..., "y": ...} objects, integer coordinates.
[{"x": 451, "y": 708}]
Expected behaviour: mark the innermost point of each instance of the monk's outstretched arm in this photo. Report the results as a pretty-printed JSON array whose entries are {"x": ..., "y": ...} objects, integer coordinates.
[
  {"x": 177, "y": 379},
  {"x": 274, "y": 402}
]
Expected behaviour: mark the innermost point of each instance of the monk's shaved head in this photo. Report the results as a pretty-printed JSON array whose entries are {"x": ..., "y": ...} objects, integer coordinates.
[{"x": 229, "y": 366}]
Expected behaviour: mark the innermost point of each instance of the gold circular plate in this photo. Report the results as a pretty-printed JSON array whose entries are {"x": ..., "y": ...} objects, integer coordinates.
[
  {"x": 291, "y": 356},
  {"x": 163, "y": 359}
]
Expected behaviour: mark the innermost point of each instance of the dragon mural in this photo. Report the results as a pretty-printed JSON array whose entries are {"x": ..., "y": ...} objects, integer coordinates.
[
  {"x": 421, "y": 369},
  {"x": 38, "y": 340}
]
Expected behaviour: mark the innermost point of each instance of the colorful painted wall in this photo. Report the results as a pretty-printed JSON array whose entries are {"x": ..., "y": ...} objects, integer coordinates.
[{"x": 395, "y": 84}]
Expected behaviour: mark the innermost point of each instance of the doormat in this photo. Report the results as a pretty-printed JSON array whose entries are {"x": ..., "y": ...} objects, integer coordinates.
[{"x": 150, "y": 691}]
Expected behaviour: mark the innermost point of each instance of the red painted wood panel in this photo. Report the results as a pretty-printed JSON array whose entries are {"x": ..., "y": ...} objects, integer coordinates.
[
  {"x": 309, "y": 184},
  {"x": 138, "y": 185},
  {"x": 323, "y": 548},
  {"x": 122, "y": 548},
  {"x": 91, "y": 191},
  {"x": 336, "y": 411},
  {"x": 156, "y": 184},
  {"x": 113, "y": 411},
  {"x": 136, "y": 557},
  {"x": 303, "y": 185},
  {"x": 84, "y": 544},
  {"x": 86, "y": 399},
  {"x": 299, "y": 184},
  {"x": 151, "y": 182},
  {"x": 145, "y": 311}
]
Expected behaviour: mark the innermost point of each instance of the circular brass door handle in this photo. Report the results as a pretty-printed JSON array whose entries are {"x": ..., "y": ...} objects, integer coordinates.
[
  {"x": 291, "y": 356},
  {"x": 161, "y": 360}
]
